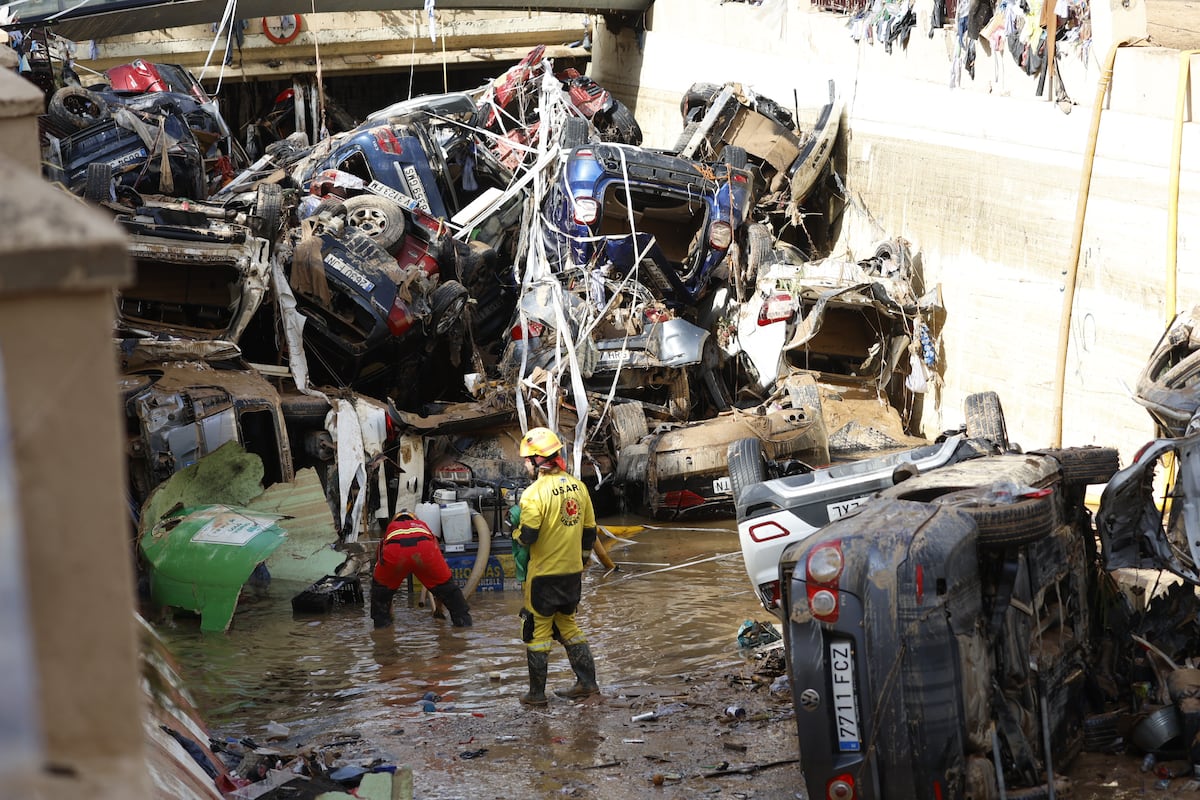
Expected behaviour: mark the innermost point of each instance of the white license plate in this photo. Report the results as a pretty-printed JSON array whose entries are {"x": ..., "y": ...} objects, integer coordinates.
[
  {"x": 844, "y": 700},
  {"x": 843, "y": 507},
  {"x": 383, "y": 190},
  {"x": 722, "y": 485}
]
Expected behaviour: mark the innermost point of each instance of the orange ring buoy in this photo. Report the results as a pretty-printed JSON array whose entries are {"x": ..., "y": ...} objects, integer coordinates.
[{"x": 282, "y": 39}]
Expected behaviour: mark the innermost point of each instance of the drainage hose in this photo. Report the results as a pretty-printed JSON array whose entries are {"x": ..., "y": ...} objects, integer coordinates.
[
  {"x": 484, "y": 535},
  {"x": 1085, "y": 184}
]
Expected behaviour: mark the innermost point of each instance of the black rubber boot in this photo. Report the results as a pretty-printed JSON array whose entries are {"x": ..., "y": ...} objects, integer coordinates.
[
  {"x": 585, "y": 672},
  {"x": 452, "y": 598},
  {"x": 381, "y": 604},
  {"x": 539, "y": 662}
]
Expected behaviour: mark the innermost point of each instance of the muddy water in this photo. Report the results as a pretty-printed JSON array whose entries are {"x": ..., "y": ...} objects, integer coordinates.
[{"x": 646, "y": 624}]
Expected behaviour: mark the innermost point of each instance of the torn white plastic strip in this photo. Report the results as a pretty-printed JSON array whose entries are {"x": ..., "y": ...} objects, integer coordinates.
[
  {"x": 351, "y": 466},
  {"x": 293, "y": 329}
]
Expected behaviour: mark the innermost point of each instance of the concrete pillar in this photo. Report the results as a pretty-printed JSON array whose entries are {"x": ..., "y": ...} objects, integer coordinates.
[{"x": 60, "y": 262}]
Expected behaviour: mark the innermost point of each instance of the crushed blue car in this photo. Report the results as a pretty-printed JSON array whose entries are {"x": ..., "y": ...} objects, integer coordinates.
[{"x": 623, "y": 209}]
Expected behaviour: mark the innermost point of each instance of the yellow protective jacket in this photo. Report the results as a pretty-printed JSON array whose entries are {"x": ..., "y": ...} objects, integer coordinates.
[{"x": 558, "y": 524}]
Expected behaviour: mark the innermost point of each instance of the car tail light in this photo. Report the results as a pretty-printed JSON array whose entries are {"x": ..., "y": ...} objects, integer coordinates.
[
  {"x": 825, "y": 563},
  {"x": 841, "y": 788},
  {"x": 779, "y": 307},
  {"x": 720, "y": 235},
  {"x": 824, "y": 567},
  {"x": 388, "y": 143},
  {"x": 400, "y": 318},
  {"x": 534, "y": 329},
  {"x": 586, "y": 210},
  {"x": 769, "y": 594},
  {"x": 682, "y": 499}
]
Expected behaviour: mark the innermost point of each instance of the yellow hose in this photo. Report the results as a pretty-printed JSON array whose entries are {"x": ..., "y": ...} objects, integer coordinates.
[{"x": 1085, "y": 183}]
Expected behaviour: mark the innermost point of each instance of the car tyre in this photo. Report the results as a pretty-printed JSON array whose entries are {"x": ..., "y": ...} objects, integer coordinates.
[
  {"x": 98, "y": 185},
  {"x": 268, "y": 207},
  {"x": 1024, "y": 521},
  {"x": 1084, "y": 466},
  {"x": 679, "y": 396},
  {"x": 685, "y": 136},
  {"x": 746, "y": 465},
  {"x": 626, "y": 124},
  {"x": 985, "y": 418},
  {"x": 448, "y": 301},
  {"x": 696, "y": 99},
  {"x": 377, "y": 217},
  {"x": 76, "y": 108},
  {"x": 759, "y": 252},
  {"x": 734, "y": 156},
  {"x": 628, "y": 421}
]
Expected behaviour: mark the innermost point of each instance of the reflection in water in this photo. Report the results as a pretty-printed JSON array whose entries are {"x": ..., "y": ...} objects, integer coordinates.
[{"x": 333, "y": 672}]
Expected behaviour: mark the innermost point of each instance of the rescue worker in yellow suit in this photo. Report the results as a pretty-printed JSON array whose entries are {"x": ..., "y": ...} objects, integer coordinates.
[{"x": 558, "y": 525}]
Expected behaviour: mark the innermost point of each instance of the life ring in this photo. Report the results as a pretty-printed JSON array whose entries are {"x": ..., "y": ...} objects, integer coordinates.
[{"x": 286, "y": 39}]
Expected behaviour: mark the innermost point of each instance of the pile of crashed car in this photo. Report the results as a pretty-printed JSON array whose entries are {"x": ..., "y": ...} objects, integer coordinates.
[{"x": 471, "y": 263}]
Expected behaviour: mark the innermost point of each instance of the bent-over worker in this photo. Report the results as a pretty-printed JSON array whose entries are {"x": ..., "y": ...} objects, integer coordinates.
[{"x": 410, "y": 548}]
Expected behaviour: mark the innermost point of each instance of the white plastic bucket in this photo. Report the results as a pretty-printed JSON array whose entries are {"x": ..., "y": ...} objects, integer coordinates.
[
  {"x": 431, "y": 515},
  {"x": 443, "y": 496},
  {"x": 456, "y": 523}
]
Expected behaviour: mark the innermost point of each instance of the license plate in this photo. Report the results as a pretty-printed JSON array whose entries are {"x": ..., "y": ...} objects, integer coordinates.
[
  {"x": 843, "y": 507},
  {"x": 845, "y": 702},
  {"x": 722, "y": 485},
  {"x": 615, "y": 355},
  {"x": 383, "y": 190}
]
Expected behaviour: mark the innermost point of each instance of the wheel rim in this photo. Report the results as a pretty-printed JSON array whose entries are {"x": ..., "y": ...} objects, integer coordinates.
[{"x": 370, "y": 221}]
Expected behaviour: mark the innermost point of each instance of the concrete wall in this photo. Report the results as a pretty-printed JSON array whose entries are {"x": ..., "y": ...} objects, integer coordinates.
[
  {"x": 80, "y": 729},
  {"x": 983, "y": 180}
]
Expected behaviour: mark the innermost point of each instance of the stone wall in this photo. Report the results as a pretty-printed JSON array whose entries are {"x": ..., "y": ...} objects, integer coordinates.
[{"x": 984, "y": 181}]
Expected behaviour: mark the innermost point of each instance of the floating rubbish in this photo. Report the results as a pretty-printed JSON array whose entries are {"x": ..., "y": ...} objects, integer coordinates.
[
  {"x": 735, "y": 712},
  {"x": 648, "y": 716}
]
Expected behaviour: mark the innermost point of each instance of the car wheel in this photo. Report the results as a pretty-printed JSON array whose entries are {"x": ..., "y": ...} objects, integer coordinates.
[
  {"x": 98, "y": 185},
  {"x": 985, "y": 418},
  {"x": 268, "y": 207},
  {"x": 685, "y": 136},
  {"x": 1084, "y": 466},
  {"x": 626, "y": 127},
  {"x": 575, "y": 133},
  {"x": 696, "y": 99},
  {"x": 76, "y": 108},
  {"x": 759, "y": 252},
  {"x": 1027, "y": 520},
  {"x": 746, "y": 465},
  {"x": 734, "y": 156},
  {"x": 679, "y": 396},
  {"x": 628, "y": 421},
  {"x": 447, "y": 302},
  {"x": 377, "y": 217}
]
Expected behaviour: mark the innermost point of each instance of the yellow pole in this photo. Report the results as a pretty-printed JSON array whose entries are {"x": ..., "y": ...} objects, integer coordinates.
[
  {"x": 1085, "y": 183},
  {"x": 1185, "y": 62}
]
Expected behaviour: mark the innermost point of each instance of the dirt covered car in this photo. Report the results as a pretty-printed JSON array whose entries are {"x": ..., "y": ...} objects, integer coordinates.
[
  {"x": 786, "y": 158},
  {"x": 939, "y": 638},
  {"x": 851, "y": 322},
  {"x": 777, "y": 505},
  {"x": 679, "y": 471},
  {"x": 666, "y": 220}
]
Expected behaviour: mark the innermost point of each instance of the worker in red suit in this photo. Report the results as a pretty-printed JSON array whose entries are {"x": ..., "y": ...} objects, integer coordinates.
[{"x": 410, "y": 548}]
